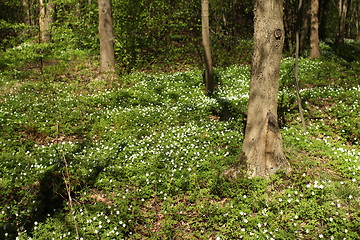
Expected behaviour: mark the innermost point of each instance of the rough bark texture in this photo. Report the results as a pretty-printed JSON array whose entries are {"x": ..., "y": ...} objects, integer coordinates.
[
  {"x": 314, "y": 34},
  {"x": 262, "y": 148},
  {"x": 46, "y": 19},
  {"x": 209, "y": 74},
  {"x": 106, "y": 35},
  {"x": 343, "y": 7}
]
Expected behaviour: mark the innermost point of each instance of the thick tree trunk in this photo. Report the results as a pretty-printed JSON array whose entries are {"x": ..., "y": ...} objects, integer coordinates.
[
  {"x": 262, "y": 148},
  {"x": 209, "y": 73},
  {"x": 342, "y": 8},
  {"x": 106, "y": 35},
  {"x": 46, "y": 19},
  {"x": 314, "y": 33}
]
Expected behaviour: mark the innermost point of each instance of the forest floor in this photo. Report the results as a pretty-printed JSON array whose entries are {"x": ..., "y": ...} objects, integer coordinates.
[{"x": 142, "y": 156}]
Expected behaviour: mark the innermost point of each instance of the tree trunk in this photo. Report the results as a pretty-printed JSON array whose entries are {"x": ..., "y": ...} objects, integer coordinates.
[
  {"x": 324, "y": 12},
  {"x": 209, "y": 74},
  {"x": 33, "y": 12},
  {"x": 26, "y": 10},
  {"x": 304, "y": 16},
  {"x": 46, "y": 19},
  {"x": 262, "y": 148},
  {"x": 106, "y": 35},
  {"x": 358, "y": 30},
  {"x": 343, "y": 7},
  {"x": 314, "y": 34},
  {"x": 289, "y": 26},
  {"x": 357, "y": 22}
]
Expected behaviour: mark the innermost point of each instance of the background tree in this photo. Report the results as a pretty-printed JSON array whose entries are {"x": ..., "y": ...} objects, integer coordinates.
[
  {"x": 324, "y": 16},
  {"x": 262, "y": 147},
  {"x": 12, "y": 23},
  {"x": 231, "y": 27},
  {"x": 209, "y": 73},
  {"x": 304, "y": 24},
  {"x": 314, "y": 33},
  {"x": 357, "y": 21},
  {"x": 343, "y": 9},
  {"x": 162, "y": 33},
  {"x": 290, "y": 24},
  {"x": 106, "y": 35},
  {"x": 353, "y": 21},
  {"x": 296, "y": 68},
  {"x": 296, "y": 21},
  {"x": 27, "y": 14},
  {"x": 46, "y": 8}
]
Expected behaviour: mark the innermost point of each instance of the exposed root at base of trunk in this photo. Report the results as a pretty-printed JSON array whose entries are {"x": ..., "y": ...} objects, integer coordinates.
[{"x": 244, "y": 169}]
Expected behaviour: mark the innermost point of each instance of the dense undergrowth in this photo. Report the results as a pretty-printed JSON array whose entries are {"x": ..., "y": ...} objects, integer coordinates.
[{"x": 142, "y": 157}]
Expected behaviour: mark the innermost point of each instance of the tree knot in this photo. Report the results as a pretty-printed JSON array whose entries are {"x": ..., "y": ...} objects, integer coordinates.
[
  {"x": 272, "y": 122},
  {"x": 278, "y": 34}
]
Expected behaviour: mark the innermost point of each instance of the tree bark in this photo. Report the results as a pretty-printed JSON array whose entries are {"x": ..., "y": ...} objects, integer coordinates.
[
  {"x": 314, "y": 34},
  {"x": 357, "y": 22},
  {"x": 209, "y": 73},
  {"x": 305, "y": 26},
  {"x": 289, "y": 17},
  {"x": 262, "y": 147},
  {"x": 106, "y": 35},
  {"x": 46, "y": 19},
  {"x": 26, "y": 10},
  {"x": 358, "y": 30},
  {"x": 342, "y": 8}
]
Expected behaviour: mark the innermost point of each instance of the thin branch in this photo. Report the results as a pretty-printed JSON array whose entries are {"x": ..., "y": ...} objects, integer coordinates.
[
  {"x": 297, "y": 73},
  {"x": 66, "y": 178}
]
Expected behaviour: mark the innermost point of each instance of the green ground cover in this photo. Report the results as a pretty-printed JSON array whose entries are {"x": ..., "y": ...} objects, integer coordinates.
[{"x": 142, "y": 157}]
